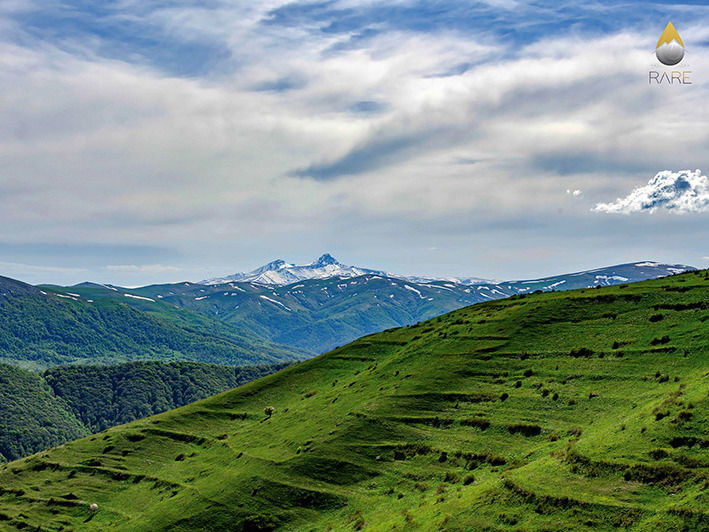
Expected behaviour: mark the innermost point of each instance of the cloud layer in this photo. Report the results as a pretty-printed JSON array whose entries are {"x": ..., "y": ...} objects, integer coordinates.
[
  {"x": 677, "y": 192},
  {"x": 218, "y": 136}
]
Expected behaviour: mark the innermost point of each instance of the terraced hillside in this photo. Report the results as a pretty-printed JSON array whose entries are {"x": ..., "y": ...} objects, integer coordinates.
[{"x": 583, "y": 410}]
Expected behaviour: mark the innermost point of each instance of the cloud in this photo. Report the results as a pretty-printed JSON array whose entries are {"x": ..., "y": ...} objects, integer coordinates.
[
  {"x": 17, "y": 268},
  {"x": 677, "y": 192},
  {"x": 575, "y": 193},
  {"x": 184, "y": 123},
  {"x": 143, "y": 268}
]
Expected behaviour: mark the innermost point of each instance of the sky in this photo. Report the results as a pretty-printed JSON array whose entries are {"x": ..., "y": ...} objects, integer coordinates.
[{"x": 145, "y": 142}]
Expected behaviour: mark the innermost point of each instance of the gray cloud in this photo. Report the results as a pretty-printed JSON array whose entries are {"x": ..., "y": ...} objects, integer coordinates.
[
  {"x": 372, "y": 155},
  {"x": 677, "y": 192},
  {"x": 195, "y": 171}
]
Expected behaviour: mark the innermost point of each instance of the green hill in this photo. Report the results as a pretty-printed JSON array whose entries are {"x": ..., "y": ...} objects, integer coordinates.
[
  {"x": 42, "y": 410},
  {"x": 40, "y": 329},
  {"x": 583, "y": 410}
]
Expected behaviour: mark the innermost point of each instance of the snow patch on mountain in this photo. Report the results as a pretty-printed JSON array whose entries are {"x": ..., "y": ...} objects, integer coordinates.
[
  {"x": 326, "y": 267},
  {"x": 281, "y": 273}
]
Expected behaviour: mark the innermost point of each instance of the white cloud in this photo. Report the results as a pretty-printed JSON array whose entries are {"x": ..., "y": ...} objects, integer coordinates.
[
  {"x": 22, "y": 270},
  {"x": 143, "y": 268},
  {"x": 575, "y": 193},
  {"x": 677, "y": 192}
]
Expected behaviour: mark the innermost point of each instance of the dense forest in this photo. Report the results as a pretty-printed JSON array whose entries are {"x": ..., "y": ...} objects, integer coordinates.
[
  {"x": 42, "y": 410},
  {"x": 32, "y": 417}
]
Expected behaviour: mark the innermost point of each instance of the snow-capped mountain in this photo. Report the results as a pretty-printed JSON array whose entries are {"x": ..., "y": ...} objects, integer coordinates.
[
  {"x": 282, "y": 273},
  {"x": 464, "y": 281}
]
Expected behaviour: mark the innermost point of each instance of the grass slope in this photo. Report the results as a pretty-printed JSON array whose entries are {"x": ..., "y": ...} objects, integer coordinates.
[
  {"x": 42, "y": 410},
  {"x": 40, "y": 329},
  {"x": 583, "y": 410}
]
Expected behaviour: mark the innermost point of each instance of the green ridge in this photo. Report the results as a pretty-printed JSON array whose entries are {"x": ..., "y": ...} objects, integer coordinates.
[
  {"x": 583, "y": 410},
  {"x": 40, "y": 329}
]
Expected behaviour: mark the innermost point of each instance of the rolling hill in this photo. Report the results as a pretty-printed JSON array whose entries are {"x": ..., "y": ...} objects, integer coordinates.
[
  {"x": 40, "y": 328},
  {"x": 319, "y": 314},
  {"x": 41, "y": 410},
  {"x": 580, "y": 410}
]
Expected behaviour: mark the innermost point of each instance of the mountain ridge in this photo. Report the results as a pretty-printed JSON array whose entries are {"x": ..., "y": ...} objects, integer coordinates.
[
  {"x": 281, "y": 273},
  {"x": 43, "y": 327},
  {"x": 319, "y": 314},
  {"x": 579, "y": 410}
]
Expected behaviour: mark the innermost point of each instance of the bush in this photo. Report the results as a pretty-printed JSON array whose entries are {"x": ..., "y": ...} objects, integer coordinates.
[
  {"x": 527, "y": 430},
  {"x": 451, "y": 477},
  {"x": 584, "y": 352},
  {"x": 662, "y": 474},
  {"x": 478, "y": 422},
  {"x": 658, "y": 341},
  {"x": 658, "y": 454}
]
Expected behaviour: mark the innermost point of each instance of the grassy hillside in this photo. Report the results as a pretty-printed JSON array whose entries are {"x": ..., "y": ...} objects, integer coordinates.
[
  {"x": 40, "y": 329},
  {"x": 42, "y": 410},
  {"x": 583, "y": 410}
]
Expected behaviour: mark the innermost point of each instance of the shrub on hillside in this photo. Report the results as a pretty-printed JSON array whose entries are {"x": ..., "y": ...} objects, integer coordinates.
[
  {"x": 527, "y": 430},
  {"x": 581, "y": 352}
]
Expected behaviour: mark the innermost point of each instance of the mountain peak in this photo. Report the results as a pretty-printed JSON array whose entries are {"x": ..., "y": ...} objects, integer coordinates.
[
  {"x": 281, "y": 273},
  {"x": 325, "y": 259},
  {"x": 273, "y": 265}
]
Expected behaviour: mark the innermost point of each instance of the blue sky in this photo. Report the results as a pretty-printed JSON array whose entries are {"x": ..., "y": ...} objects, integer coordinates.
[{"x": 161, "y": 141}]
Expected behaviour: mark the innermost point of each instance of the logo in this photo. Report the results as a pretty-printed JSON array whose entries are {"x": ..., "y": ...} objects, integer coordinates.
[
  {"x": 670, "y": 51},
  {"x": 670, "y": 48}
]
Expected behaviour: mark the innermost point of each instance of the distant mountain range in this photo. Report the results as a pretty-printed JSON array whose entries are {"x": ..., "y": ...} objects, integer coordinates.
[
  {"x": 318, "y": 314},
  {"x": 282, "y": 273}
]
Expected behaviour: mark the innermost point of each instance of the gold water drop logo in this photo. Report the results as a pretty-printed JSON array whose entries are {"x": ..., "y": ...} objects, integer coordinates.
[{"x": 670, "y": 48}]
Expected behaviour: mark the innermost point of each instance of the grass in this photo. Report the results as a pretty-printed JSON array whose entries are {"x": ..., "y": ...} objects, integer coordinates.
[{"x": 556, "y": 411}]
